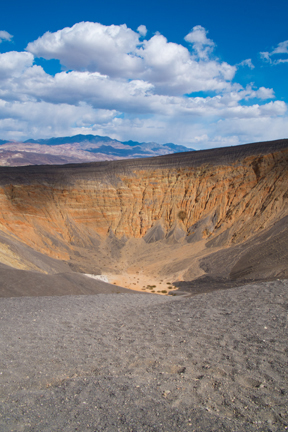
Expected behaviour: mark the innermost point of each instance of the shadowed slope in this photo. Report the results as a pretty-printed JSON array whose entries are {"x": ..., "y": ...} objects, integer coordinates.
[
  {"x": 263, "y": 257},
  {"x": 21, "y": 283}
]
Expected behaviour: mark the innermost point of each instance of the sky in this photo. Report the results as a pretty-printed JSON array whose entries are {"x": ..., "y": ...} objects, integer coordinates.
[{"x": 201, "y": 74}]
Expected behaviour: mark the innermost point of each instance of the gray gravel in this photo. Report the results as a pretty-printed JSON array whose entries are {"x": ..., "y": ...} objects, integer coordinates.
[{"x": 121, "y": 362}]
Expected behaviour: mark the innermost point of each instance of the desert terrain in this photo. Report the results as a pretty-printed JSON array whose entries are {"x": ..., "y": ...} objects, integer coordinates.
[{"x": 146, "y": 294}]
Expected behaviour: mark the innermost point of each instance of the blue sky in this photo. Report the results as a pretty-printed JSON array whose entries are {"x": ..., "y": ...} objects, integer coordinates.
[{"x": 201, "y": 74}]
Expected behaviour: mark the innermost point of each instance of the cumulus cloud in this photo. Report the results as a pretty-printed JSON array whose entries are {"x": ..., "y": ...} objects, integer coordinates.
[
  {"x": 128, "y": 96},
  {"x": 142, "y": 30},
  {"x": 27, "y": 119},
  {"x": 172, "y": 69},
  {"x": 13, "y": 63},
  {"x": 92, "y": 46},
  {"x": 282, "y": 48},
  {"x": 201, "y": 44},
  {"x": 264, "y": 93},
  {"x": 115, "y": 82},
  {"x": 5, "y": 36},
  {"x": 117, "y": 51},
  {"x": 250, "y": 92}
]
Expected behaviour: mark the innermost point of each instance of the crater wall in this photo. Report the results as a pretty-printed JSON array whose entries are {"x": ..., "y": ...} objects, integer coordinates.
[{"x": 239, "y": 191}]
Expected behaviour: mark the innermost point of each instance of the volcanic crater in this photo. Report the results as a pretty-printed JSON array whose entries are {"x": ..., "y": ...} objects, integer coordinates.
[
  {"x": 146, "y": 295},
  {"x": 184, "y": 223}
]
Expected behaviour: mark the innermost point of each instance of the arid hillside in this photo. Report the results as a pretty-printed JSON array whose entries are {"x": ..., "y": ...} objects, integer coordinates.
[{"x": 218, "y": 217}]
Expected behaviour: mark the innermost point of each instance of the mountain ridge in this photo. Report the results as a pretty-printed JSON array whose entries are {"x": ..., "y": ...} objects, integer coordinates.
[
  {"x": 218, "y": 156},
  {"x": 79, "y": 148}
]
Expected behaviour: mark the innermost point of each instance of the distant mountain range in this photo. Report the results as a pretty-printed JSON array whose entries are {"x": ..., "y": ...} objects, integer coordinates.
[{"x": 79, "y": 148}]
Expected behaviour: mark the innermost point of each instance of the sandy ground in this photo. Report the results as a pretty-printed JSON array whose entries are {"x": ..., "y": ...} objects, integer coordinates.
[
  {"x": 141, "y": 282},
  {"x": 152, "y": 267},
  {"x": 137, "y": 282},
  {"x": 122, "y": 362}
]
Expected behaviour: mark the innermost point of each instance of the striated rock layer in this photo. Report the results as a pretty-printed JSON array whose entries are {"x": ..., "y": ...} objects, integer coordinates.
[{"x": 223, "y": 196}]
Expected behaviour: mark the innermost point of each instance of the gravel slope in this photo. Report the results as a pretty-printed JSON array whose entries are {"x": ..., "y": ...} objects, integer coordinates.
[{"x": 121, "y": 362}]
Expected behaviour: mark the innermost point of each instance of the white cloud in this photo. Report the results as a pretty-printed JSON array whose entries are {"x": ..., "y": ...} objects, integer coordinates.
[
  {"x": 198, "y": 36},
  {"x": 142, "y": 30},
  {"x": 279, "y": 61},
  {"x": 173, "y": 70},
  {"x": 5, "y": 36},
  {"x": 247, "y": 62},
  {"x": 265, "y": 56},
  {"x": 93, "y": 47},
  {"x": 117, "y": 51},
  {"x": 250, "y": 92},
  {"x": 13, "y": 63},
  {"x": 264, "y": 93},
  {"x": 130, "y": 97},
  {"x": 202, "y": 128},
  {"x": 116, "y": 83},
  {"x": 249, "y": 130},
  {"x": 282, "y": 48},
  {"x": 201, "y": 44},
  {"x": 198, "y": 135},
  {"x": 42, "y": 119}
]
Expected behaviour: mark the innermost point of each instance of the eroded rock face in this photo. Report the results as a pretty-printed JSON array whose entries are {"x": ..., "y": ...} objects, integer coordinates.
[{"x": 53, "y": 209}]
